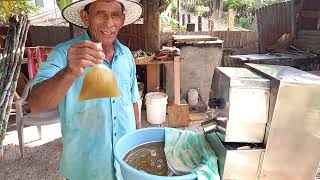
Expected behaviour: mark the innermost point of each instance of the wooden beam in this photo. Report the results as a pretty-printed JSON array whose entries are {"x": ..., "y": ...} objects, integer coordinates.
[
  {"x": 178, "y": 11},
  {"x": 189, "y": 38},
  {"x": 176, "y": 80},
  {"x": 178, "y": 113},
  {"x": 310, "y": 14},
  {"x": 293, "y": 19},
  {"x": 152, "y": 26},
  {"x": 153, "y": 79}
]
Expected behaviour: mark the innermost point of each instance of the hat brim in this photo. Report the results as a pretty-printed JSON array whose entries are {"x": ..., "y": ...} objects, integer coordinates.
[{"x": 71, "y": 13}]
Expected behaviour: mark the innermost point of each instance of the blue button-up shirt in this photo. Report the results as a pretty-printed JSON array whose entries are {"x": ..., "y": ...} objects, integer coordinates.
[{"x": 91, "y": 128}]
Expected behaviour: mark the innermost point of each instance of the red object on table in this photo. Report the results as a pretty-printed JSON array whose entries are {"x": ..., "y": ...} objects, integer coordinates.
[{"x": 36, "y": 55}]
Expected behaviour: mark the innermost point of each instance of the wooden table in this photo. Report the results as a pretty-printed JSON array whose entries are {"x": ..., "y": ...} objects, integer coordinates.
[
  {"x": 178, "y": 114},
  {"x": 153, "y": 76}
]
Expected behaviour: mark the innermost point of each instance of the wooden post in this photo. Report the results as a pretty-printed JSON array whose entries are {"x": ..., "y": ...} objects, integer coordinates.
[
  {"x": 178, "y": 114},
  {"x": 183, "y": 19},
  {"x": 151, "y": 23},
  {"x": 299, "y": 8},
  {"x": 1, "y": 149},
  {"x": 220, "y": 8},
  {"x": 176, "y": 80},
  {"x": 293, "y": 19},
  {"x": 199, "y": 23},
  {"x": 230, "y": 20},
  {"x": 178, "y": 11}
]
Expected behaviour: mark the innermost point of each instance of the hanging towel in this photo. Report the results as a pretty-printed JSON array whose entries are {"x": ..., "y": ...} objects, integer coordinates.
[{"x": 188, "y": 152}]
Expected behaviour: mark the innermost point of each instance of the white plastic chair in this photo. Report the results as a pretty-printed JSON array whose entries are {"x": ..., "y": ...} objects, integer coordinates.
[{"x": 32, "y": 119}]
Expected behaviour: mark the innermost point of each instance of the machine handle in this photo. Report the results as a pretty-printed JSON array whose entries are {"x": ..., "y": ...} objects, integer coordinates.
[{"x": 217, "y": 124}]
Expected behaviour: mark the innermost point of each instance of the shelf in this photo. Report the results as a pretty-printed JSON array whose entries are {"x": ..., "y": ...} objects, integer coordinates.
[{"x": 156, "y": 62}]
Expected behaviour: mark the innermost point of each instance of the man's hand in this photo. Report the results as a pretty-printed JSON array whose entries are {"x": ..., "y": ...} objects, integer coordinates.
[{"x": 84, "y": 54}]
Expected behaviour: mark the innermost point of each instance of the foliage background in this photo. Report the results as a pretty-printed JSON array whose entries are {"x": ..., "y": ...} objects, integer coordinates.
[
  {"x": 244, "y": 10},
  {"x": 8, "y": 7}
]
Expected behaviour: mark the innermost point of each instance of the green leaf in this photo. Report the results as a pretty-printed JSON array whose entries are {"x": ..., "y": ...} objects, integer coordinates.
[
  {"x": 7, "y": 8},
  {"x": 63, "y": 3}
]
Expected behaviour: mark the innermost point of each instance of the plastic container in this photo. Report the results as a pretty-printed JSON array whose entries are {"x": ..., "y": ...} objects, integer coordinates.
[
  {"x": 134, "y": 139},
  {"x": 193, "y": 97},
  {"x": 156, "y": 103}
]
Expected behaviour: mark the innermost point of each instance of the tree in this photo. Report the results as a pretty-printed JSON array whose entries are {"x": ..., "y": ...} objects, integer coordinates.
[
  {"x": 248, "y": 5},
  {"x": 9, "y": 7},
  {"x": 200, "y": 7},
  {"x": 245, "y": 10}
]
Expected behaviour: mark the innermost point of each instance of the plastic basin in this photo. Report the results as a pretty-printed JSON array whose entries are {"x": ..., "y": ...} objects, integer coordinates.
[{"x": 130, "y": 141}]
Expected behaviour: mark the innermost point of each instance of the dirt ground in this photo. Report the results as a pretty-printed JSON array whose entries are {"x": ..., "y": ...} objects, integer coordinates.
[
  {"x": 41, "y": 157},
  {"x": 41, "y": 162}
]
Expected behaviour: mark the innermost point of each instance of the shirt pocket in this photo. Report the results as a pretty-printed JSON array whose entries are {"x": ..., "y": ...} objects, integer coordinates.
[
  {"x": 88, "y": 114},
  {"x": 125, "y": 92},
  {"x": 83, "y": 106}
]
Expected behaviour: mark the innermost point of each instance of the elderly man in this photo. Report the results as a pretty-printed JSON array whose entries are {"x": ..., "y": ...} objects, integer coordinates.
[{"x": 90, "y": 128}]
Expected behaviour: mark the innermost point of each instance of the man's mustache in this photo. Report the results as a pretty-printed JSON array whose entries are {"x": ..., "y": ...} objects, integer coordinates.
[{"x": 109, "y": 30}]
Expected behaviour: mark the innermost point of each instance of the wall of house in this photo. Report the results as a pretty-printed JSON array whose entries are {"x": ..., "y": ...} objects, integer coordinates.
[
  {"x": 308, "y": 34},
  {"x": 47, "y": 35},
  {"x": 310, "y": 15},
  {"x": 273, "y": 22},
  {"x": 132, "y": 35},
  {"x": 294, "y": 23},
  {"x": 194, "y": 20},
  {"x": 41, "y": 35},
  {"x": 45, "y": 4}
]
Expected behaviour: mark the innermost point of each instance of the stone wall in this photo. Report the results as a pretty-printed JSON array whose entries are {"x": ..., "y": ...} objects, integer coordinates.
[{"x": 197, "y": 67}]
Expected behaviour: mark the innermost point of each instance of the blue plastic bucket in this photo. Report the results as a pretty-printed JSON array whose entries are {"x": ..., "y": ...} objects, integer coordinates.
[{"x": 132, "y": 140}]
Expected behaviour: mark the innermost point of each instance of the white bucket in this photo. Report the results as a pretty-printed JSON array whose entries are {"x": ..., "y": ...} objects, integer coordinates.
[
  {"x": 156, "y": 103},
  {"x": 193, "y": 97}
]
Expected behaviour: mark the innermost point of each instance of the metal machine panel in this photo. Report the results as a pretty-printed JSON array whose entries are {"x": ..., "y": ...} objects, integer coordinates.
[
  {"x": 235, "y": 164},
  {"x": 244, "y": 100},
  {"x": 244, "y": 132},
  {"x": 242, "y": 91},
  {"x": 293, "y": 139}
]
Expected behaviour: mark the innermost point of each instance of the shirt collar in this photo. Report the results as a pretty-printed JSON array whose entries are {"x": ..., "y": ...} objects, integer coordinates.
[
  {"x": 118, "y": 47},
  {"x": 117, "y": 44}
]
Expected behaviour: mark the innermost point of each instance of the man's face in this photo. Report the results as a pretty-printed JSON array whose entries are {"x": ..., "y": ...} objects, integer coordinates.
[{"x": 104, "y": 20}]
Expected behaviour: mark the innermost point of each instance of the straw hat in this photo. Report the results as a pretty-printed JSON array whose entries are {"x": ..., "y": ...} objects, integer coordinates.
[{"x": 71, "y": 13}]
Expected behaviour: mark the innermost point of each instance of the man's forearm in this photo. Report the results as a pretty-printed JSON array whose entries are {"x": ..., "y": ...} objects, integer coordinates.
[
  {"x": 136, "y": 115},
  {"x": 49, "y": 93}
]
